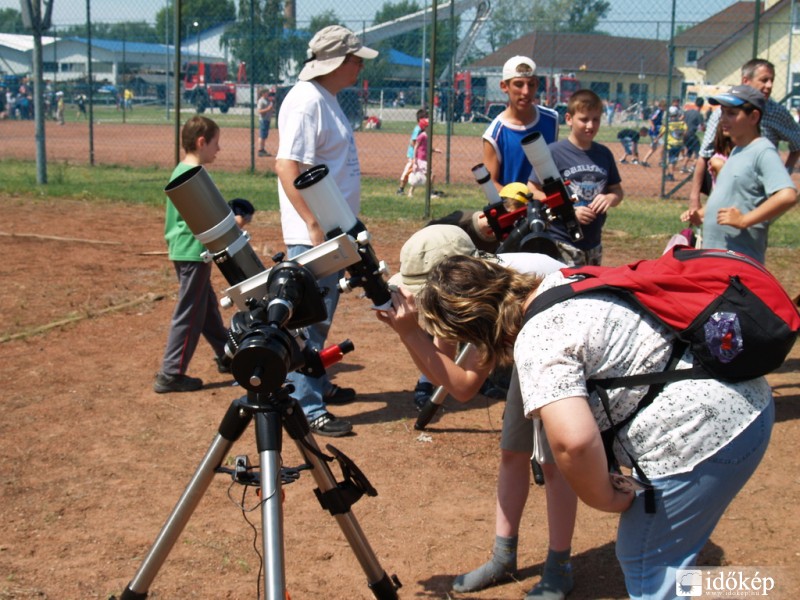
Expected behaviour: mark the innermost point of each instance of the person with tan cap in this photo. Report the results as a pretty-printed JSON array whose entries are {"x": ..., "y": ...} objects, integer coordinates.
[
  {"x": 313, "y": 129},
  {"x": 474, "y": 223},
  {"x": 421, "y": 253},
  {"x": 502, "y": 149}
]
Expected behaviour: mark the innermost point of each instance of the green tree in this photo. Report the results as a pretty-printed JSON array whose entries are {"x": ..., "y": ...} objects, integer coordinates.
[
  {"x": 11, "y": 21},
  {"x": 322, "y": 20},
  {"x": 138, "y": 31},
  {"x": 207, "y": 13},
  {"x": 582, "y": 16},
  {"x": 260, "y": 42},
  {"x": 511, "y": 19},
  {"x": 411, "y": 42}
]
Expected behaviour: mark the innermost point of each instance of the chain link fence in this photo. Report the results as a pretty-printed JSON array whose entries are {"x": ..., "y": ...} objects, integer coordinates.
[{"x": 228, "y": 53}]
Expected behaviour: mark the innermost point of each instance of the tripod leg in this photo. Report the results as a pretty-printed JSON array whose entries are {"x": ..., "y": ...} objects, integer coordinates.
[
  {"x": 383, "y": 587},
  {"x": 231, "y": 428},
  {"x": 268, "y": 442}
]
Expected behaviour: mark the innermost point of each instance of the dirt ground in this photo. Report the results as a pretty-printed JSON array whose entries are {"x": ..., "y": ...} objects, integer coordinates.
[
  {"x": 381, "y": 154},
  {"x": 94, "y": 460}
]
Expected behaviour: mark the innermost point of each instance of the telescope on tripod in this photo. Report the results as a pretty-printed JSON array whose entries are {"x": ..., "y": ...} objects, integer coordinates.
[
  {"x": 526, "y": 229},
  {"x": 266, "y": 342},
  {"x": 522, "y": 230}
]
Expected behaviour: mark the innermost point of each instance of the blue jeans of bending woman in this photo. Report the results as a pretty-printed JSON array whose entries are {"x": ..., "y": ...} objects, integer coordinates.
[
  {"x": 309, "y": 391},
  {"x": 651, "y": 547}
]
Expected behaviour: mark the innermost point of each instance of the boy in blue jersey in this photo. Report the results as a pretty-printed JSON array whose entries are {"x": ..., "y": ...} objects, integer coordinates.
[
  {"x": 506, "y": 162},
  {"x": 502, "y": 152},
  {"x": 591, "y": 175}
]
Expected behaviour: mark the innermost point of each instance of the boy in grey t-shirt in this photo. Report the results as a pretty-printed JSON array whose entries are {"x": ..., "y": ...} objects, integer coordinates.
[{"x": 753, "y": 189}]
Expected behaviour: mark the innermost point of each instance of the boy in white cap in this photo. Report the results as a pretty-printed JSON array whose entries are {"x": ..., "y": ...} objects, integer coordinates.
[
  {"x": 314, "y": 130},
  {"x": 502, "y": 150}
]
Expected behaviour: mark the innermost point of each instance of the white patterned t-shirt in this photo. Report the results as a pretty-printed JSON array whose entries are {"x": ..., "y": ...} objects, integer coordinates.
[{"x": 600, "y": 335}]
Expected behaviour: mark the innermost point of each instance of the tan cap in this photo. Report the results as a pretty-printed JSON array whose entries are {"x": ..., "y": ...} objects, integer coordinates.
[
  {"x": 328, "y": 49},
  {"x": 518, "y": 66},
  {"x": 425, "y": 249}
]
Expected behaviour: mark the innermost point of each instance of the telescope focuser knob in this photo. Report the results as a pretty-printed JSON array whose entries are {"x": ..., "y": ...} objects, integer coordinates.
[
  {"x": 255, "y": 377},
  {"x": 382, "y": 268},
  {"x": 363, "y": 238},
  {"x": 344, "y": 285},
  {"x": 278, "y": 258}
]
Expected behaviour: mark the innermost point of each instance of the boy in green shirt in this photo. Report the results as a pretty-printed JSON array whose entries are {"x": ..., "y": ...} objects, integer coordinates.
[{"x": 197, "y": 311}]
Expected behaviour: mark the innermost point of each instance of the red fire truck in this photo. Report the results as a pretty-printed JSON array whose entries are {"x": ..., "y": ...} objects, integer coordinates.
[{"x": 206, "y": 85}]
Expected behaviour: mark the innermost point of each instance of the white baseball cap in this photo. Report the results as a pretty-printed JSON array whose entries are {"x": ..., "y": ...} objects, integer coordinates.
[{"x": 518, "y": 66}]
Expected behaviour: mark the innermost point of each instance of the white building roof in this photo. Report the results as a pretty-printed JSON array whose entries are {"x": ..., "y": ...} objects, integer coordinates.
[{"x": 21, "y": 42}]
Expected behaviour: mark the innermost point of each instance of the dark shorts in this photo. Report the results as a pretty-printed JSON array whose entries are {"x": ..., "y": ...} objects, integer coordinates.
[{"x": 692, "y": 144}]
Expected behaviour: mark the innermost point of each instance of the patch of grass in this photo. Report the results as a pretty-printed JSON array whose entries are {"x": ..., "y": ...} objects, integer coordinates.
[{"x": 636, "y": 217}]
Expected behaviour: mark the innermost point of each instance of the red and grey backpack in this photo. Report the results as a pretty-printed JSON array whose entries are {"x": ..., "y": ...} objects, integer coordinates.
[{"x": 734, "y": 315}]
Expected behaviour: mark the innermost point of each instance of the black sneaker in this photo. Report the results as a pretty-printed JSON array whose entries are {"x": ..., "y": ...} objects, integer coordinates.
[
  {"x": 327, "y": 424},
  {"x": 176, "y": 383},
  {"x": 263, "y": 153},
  {"x": 338, "y": 396},
  {"x": 223, "y": 363},
  {"x": 422, "y": 393}
]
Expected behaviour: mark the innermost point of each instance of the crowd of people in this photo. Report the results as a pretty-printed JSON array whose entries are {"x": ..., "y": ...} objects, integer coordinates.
[
  {"x": 453, "y": 288},
  {"x": 18, "y": 103}
]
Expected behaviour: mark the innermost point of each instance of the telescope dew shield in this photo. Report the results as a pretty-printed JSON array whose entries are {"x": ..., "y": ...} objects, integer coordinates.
[
  {"x": 484, "y": 179},
  {"x": 557, "y": 197},
  {"x": 325, "y": 200},
  {"x": 538, "y": 154},
  {"x": 211, "y": 221}
]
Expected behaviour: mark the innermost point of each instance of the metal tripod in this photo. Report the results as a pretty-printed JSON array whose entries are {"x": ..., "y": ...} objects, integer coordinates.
[{"x": 272, "y": 413}]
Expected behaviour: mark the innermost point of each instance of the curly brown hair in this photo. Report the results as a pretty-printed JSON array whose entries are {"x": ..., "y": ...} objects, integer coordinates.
[{"x": 478, "y": 301}]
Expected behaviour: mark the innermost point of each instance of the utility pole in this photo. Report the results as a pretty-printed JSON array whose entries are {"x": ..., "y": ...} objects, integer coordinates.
[{"x": 36, "y": 21}]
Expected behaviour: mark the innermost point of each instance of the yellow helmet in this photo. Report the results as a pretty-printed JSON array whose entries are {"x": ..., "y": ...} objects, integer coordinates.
[{"x": 516, "y": 191}]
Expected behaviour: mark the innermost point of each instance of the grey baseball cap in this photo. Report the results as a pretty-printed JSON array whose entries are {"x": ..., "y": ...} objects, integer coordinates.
[{"x": 739, "y": 95}]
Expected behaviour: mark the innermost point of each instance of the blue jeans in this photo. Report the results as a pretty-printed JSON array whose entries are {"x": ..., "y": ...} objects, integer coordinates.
[
  {"x": 309, "y": 391},
  {"x": 650, "y": 547}
]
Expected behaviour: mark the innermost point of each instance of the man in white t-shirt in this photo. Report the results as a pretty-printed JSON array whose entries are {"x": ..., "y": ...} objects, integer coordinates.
[{"x": 314, "y": 130}]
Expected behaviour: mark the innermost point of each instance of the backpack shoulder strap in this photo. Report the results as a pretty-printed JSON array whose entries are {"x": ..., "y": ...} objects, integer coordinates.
[{"x": 556, "y": 294}]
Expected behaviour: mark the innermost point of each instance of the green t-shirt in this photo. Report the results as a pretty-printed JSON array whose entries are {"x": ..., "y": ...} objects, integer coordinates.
[{"x": 181, "y": 243}]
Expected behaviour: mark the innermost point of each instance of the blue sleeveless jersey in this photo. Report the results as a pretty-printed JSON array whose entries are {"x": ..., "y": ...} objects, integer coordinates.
[{"x": 506, "y": 140}]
